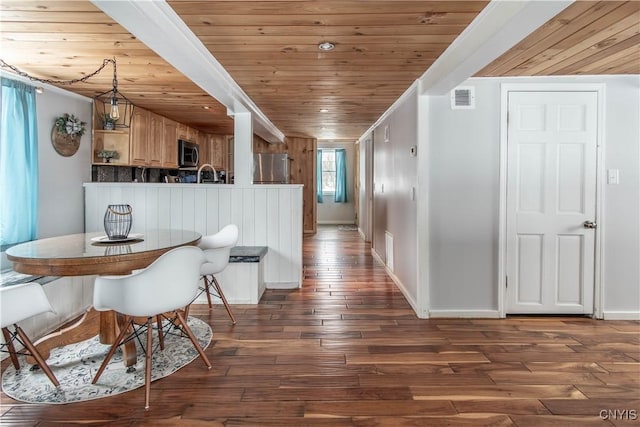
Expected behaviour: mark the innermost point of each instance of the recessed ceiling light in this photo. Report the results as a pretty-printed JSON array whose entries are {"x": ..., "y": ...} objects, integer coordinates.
[
  {"x": 324, "y": 110},
  {"x": 326, "y": 46},
  {"x": 206, "y": 107}
]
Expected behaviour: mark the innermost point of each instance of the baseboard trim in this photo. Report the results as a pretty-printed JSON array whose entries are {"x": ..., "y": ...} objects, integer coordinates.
[
  {"x": 621, "y": 315},
  {"x": 335, "y": 223},
  {"x": 398, "y": 283},
  {"x": 466, "y": 314},
  {"x": 282, "y": 285}
]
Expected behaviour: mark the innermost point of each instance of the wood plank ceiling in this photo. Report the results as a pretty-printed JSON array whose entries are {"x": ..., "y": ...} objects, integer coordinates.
[{"x": 271, "y": 49}]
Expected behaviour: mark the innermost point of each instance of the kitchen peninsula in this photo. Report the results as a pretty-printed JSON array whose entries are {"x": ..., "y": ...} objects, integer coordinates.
[{"x": 267, "y": 215}]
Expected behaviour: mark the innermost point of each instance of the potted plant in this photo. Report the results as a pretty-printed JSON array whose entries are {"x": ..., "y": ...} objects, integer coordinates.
[
  {"x": 107, "y": 155},
  {"x": 108, "y": 123}
]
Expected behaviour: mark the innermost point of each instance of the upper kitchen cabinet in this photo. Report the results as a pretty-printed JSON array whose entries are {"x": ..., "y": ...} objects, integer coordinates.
[
  {"x": 139, "y": 137},
  {"x": 170, "y": 143},
  {"x": 116, "y": 140},
  {"x": 187, "y": 133},
  {"x": 213, "y": 150},
  {"x": 156, "y": 141},
  {"x": 218, "y": 147}
]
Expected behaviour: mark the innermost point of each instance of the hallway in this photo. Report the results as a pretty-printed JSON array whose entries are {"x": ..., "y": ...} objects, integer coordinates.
[{"x": 347, "y": 350}]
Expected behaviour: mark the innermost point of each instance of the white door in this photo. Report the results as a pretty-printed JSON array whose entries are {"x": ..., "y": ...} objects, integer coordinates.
[{"x": 551, "y": 202}]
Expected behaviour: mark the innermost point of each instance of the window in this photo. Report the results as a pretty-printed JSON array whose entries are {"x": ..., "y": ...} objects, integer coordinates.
[
  {"x": 328, "y": 171},
  {"x": 332, "y": 174}
]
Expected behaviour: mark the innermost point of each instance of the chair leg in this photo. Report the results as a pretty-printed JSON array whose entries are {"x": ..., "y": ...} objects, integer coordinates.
[
  {"x": 207, "y": 289},
  {"x": 147, "y": 365},
  {"x": 36, "y": 355},
  {"x": 112, "y": 350},
  {"x": 12, "y": 350},
  {"x": 160, "y": 334},
  {"x": 224, "y": 300},
  {"x": 193, "y": 339}
]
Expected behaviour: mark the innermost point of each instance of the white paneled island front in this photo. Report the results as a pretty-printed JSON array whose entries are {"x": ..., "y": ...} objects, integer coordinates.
[{"x": 266, "y": 215}]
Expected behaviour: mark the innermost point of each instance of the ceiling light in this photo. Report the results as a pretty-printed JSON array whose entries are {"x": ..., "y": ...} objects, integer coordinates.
[
  {"x": 326, "y": 46},
  {"x": 206, "y": 107},
  {"x": 324, "y": 110}
]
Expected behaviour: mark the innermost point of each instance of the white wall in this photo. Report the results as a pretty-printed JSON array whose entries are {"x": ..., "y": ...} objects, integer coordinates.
[
  {"x": 394, "y": 178},
  {"x": 330, "y": 212},
  {"x": 463, "y": 168},
  {"x": 61, "y": 198}
]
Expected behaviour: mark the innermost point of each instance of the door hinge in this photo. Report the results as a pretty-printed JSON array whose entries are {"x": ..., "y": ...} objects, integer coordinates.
[{"x": 506, "y": 281}]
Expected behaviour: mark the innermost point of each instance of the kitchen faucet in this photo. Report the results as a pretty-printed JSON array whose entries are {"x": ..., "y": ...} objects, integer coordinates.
[{"x": 202, "y": 167}]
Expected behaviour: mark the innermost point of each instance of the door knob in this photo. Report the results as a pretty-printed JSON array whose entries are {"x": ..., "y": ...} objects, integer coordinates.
[{"x": 589, "y": 224}]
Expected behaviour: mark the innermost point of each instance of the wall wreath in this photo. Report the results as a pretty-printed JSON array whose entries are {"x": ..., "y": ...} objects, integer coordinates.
[{"x": 66, "y": 133}]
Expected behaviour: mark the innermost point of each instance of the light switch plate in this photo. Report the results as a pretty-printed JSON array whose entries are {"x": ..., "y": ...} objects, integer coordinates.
[{"x": 613, "y": 176}]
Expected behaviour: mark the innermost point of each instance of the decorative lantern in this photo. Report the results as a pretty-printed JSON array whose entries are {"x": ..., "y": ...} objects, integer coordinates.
[{"x": 117, "y": 221}]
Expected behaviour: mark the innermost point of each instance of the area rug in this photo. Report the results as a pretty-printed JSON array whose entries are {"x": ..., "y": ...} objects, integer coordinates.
[{"x": 75, "y": 365}]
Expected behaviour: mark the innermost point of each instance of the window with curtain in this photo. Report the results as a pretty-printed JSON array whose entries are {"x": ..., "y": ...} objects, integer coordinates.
[
  {"x": 18, "y": 163},
  {"x": 332, "y": 174}
]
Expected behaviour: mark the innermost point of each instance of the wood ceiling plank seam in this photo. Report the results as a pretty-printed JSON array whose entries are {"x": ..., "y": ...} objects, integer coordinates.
[
  {"x": 546, "y": 36},
  {"x": 587, "y": 36},
  {"x": 338, "y": 19},
  {"x": 622, "y": 57},
  {"x": 61, "y": 27},
  {"x": 570, "y": 65},
  {"x": 439, "y": 39},
  {"x": 295, "y": 48},
  {"x": 94, "y": 17},
  {"x": 529, "y": 66},
  {"x": 334, "y": 31},
  {"x": 50, "y": 5},
  {"x": 304, "y": 7}
]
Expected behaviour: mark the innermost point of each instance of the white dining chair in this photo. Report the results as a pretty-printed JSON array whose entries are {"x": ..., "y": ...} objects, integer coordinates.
[
  {"x": 20, "y": 302},
  {"x": 166, "y": 286},
  {"x": 217, "y": 248}
]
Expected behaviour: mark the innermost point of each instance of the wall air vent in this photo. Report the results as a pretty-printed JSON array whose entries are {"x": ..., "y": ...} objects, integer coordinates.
[{"x": 463, "y": 97}]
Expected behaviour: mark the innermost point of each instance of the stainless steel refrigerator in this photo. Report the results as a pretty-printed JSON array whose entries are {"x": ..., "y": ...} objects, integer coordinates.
[{"x": 270, "y": 168}]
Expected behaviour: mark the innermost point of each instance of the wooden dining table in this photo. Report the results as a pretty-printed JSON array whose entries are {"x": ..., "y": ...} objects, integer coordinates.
[{"x": 94, "y": 254}]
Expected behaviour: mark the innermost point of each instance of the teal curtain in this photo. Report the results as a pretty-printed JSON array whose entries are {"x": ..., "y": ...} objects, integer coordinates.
[
  {"x": 319, "y": 176},
  {"x": 341, "y": 176},
  {"x": 18, "y": 163}
]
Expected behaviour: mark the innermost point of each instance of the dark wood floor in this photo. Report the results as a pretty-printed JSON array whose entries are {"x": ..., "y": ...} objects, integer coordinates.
[{"x": 347, "y": 350}]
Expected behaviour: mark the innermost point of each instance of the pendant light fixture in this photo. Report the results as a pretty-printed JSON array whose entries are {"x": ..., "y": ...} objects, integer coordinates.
[
  {"x": 111, "y": 103},
  {"x": 114, "y": 104}
]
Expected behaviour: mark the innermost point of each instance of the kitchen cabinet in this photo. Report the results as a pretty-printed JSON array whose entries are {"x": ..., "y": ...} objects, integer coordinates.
[
  {"x": 213, "y": 150},
  {"x": 187, "y": 133},
  {"x": 218, "y": 147},
  {"x": 139, "y": 137},
  {"x": 204, "y": 153},
  {"x": 111, "y": 140},
  {"x": 170, "y": 143},
  {"x": 155, "y": 140}
]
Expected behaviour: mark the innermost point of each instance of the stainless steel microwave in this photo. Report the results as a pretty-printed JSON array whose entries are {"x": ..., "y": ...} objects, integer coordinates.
[{"x": 187, "y": 154}]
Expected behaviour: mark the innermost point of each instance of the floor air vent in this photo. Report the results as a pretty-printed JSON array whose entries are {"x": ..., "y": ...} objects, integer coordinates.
[{"x": 388, "y": 240}]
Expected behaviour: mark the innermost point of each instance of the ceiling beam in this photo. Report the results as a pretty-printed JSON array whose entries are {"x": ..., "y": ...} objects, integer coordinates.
[
  {"x": 500, "y": 26},
  {"x": 157, "y": 25}
]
